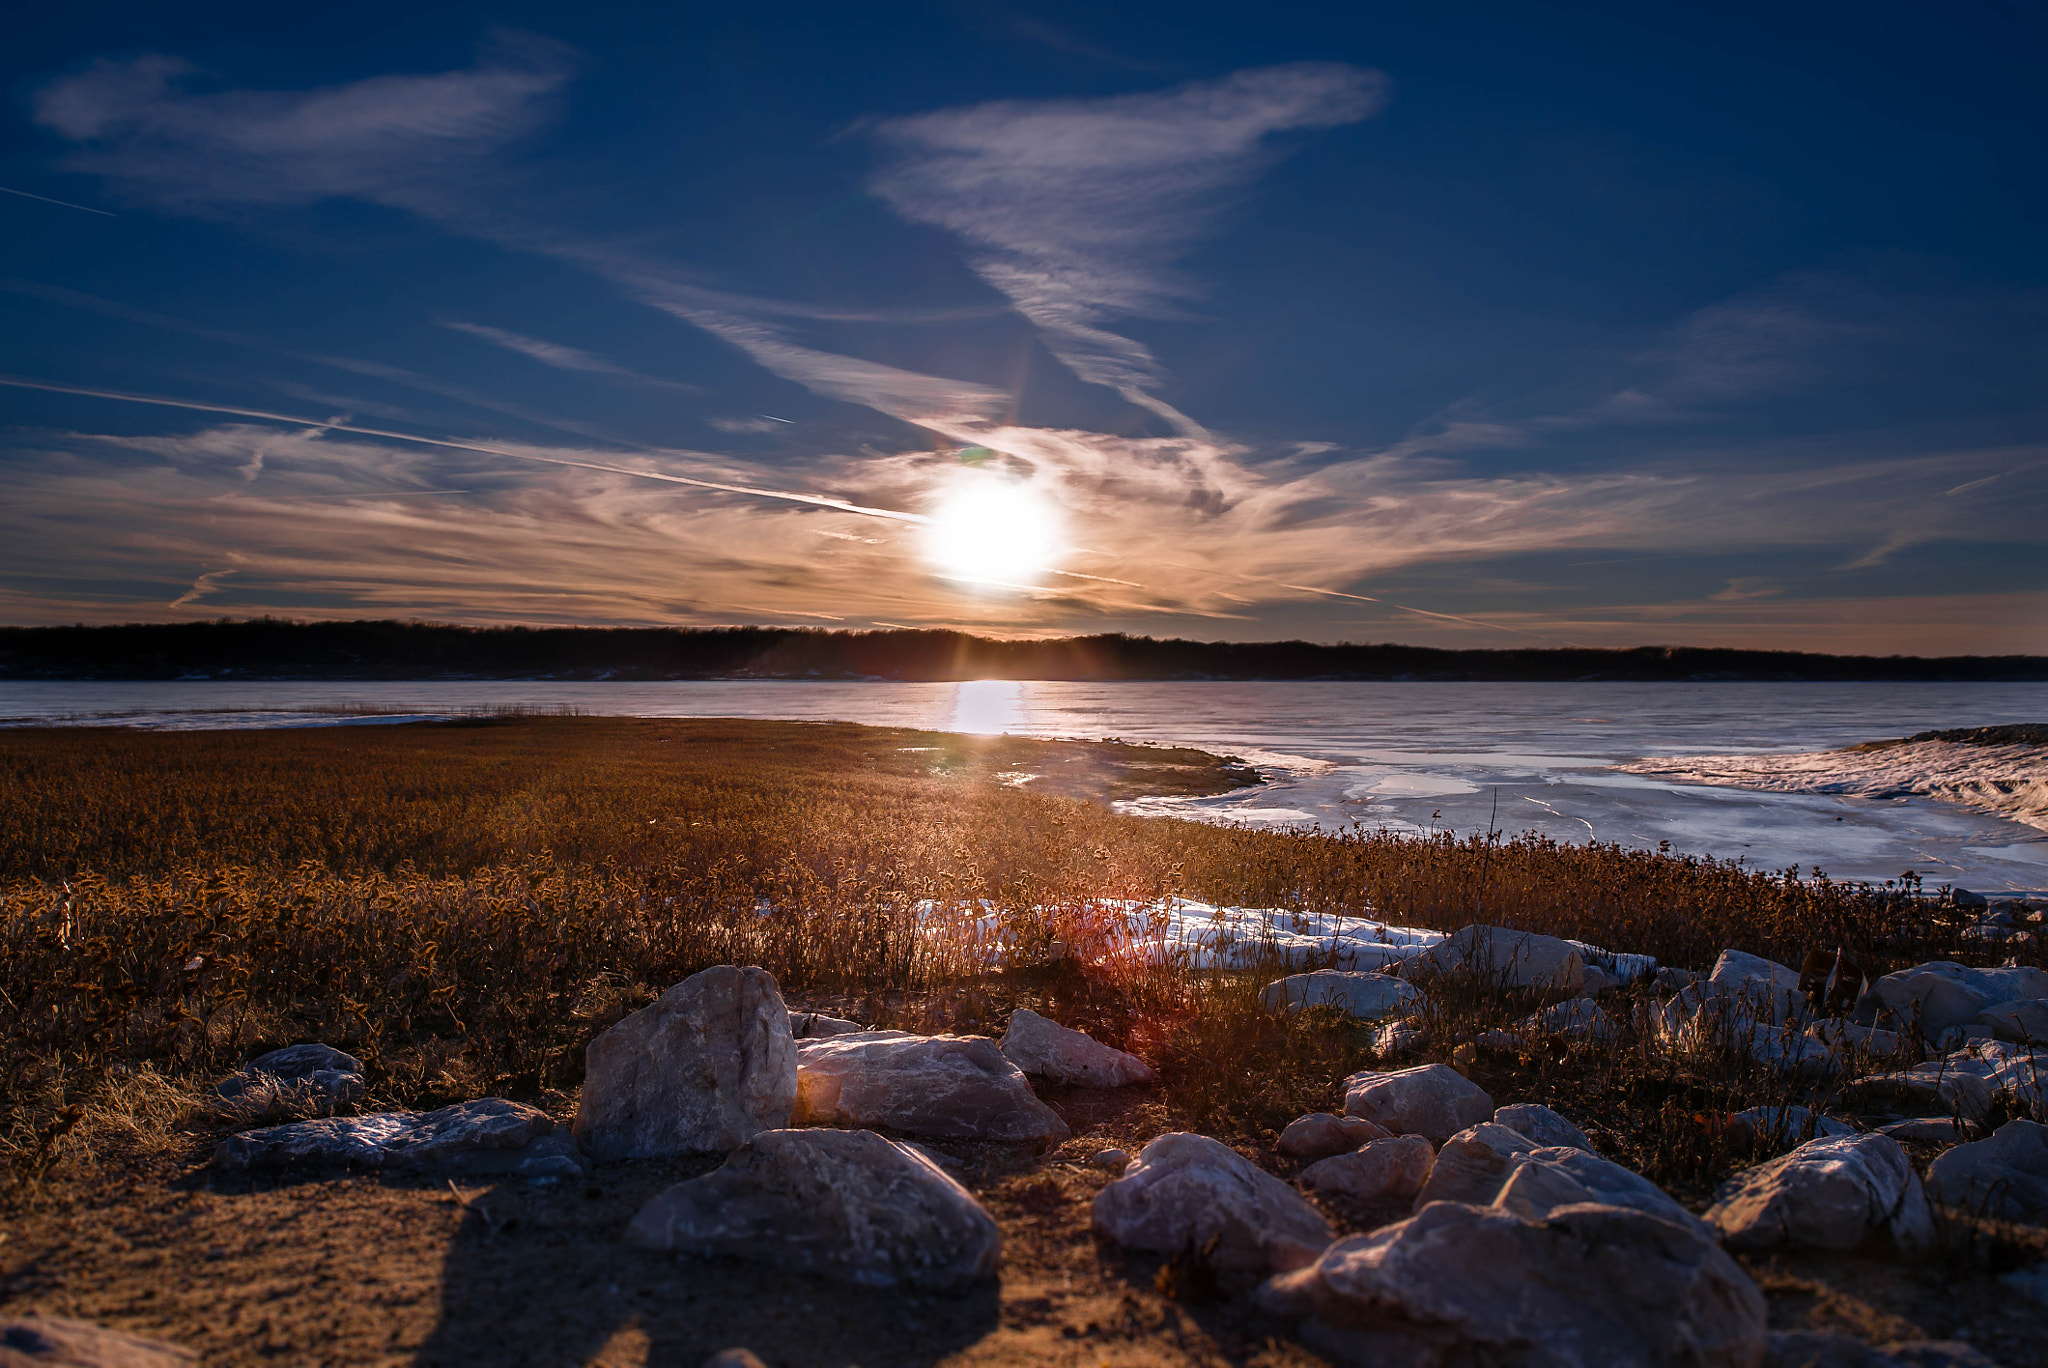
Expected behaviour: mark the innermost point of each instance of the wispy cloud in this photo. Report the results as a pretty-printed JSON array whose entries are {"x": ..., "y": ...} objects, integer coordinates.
[
  {"x": 1076, "y": 209},
  {"x": 564, "y": 358},
  {"x": 201, "y": 587},
  {"x": 391, "y": 139}
]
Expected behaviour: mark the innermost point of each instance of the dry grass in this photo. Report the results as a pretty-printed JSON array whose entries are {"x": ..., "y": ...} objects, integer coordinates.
[{"x": 464, "y": 906}]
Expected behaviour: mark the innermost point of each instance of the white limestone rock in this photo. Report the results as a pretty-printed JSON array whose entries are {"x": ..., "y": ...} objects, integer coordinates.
[
  {"x": 1493, "y": 1165},
  {"x": 706, "y": 1067},
  {"x": 1430, "y": 1099},
  {"x": 38, "y": 1341},
  {"x": 1971, "y": 1079},
  {"x": 1393, "y": 1169},
  {"x": 1927, "y": 1130},
  {"x": 950, "y": 1087},
  {"x": 1592, "y": 1285},
  {"x": 1843, "y": 1037},
  {"x": 1832, "y": 1193},
  {"x": 1320, "y": 1135},
  {"x": 1515, "y": 959},
  {"x": 849, "y": 1205},
  {"x": 1049, "y": 1050},
  {"x": 2023, "y": 1023},
  {"x": 1398, "y": 1038},
  {"x": 1942, "y": 995},
  {"x": 1784, "y": 1126},
  {"x": 1580, "y": 1019},
  {"x": 817, "y": 1025},
  {"x": 1184, "y": 1190},
  {"x": 2005, "y": 1175},
  {"x": 1368, "y": 997},
  {"x": 1542, "y": 1125},
  {"x": 1472, "y": 1165},
  {"x": 487, "y": 1136},
  {"x": 312, "y": 1079}
]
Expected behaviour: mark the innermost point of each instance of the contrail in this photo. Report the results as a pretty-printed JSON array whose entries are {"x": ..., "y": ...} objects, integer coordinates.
[
  {"x": 814, "y": 500},
  {"x": 66, "y": 203}
]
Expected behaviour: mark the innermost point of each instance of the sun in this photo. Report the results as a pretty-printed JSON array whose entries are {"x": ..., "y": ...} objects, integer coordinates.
[{"x": 994, "y": 531}]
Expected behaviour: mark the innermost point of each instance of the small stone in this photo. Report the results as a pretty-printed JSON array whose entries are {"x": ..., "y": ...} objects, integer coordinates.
[
  {"x": 1784, "y": 1126},
  {"x": 1579, "y": 1019},
  {"x": 1115, "y": 1160},
  {"x": 1430, "y": 1099},
  {"x": 1827, "y": 1194},
  {"x": 845, "y": 1204},
  {"x": 951, "y": 1087},
  {"x": 816, "y": 1026},
  {"x": 1398, "y": 1038},
  {"x": 302, "y": 1079},
  {"x": 1927, "y": 1130},
  {"x": 710, "y": 1064},
  {"x": 2004, "y": 1176},
  {"x": 1393, "y": 1169},
  {"x": 487, "y": 1136},
  {"x": 735, "y": 1358},
  {"x": 37, "y": 1341},
  {"x": 1592, "y": 1285},
  {"x": 1185, "y": 1190},
  {"x": 1368, "y": 997},
  {"x": 1050, "y": 1050},
  {"x": 1320, "y": 1135},
  {"x": 1542, "y": 1125}
]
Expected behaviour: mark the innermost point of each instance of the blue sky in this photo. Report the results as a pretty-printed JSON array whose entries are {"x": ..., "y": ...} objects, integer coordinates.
[{"x": 1467, "y": 325}]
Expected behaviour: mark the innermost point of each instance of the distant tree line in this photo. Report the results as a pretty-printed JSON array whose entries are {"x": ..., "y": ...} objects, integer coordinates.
[{"x": 274, "y": 648}]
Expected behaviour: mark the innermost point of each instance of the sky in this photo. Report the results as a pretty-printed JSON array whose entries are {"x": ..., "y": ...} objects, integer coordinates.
[{"x": 1463, "y": 325}]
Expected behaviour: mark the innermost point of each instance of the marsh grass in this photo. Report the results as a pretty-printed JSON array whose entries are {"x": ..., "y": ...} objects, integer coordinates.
[{"x": 465, "y": 906}]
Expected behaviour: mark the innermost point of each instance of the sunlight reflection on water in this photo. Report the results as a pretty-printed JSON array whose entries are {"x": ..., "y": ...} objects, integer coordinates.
[{"x": 987, "y": 707}]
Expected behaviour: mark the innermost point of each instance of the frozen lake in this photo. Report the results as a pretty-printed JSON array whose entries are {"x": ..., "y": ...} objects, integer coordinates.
[{"x": 1406, "y": 756}]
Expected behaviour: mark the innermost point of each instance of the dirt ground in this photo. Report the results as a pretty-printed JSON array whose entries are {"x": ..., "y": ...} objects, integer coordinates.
[{"x": 371, "y": 1269}]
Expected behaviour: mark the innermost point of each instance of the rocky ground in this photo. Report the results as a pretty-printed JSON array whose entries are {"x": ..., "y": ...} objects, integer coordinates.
[{"x": 437, "y": 1263}]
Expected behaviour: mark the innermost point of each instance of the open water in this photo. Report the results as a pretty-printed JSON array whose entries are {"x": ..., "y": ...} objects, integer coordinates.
[{"x": 1406, "y": 756}]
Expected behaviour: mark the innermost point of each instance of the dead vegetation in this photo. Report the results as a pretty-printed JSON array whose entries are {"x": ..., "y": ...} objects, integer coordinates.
[{"x": 463, "y": 907}]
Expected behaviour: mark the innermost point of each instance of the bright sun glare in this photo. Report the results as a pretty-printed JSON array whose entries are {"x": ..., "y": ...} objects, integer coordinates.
[{"x": 989, "y": 530}]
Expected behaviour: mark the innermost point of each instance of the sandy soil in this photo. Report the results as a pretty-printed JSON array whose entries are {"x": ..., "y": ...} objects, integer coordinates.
[{"x": 372, "y": 1269}]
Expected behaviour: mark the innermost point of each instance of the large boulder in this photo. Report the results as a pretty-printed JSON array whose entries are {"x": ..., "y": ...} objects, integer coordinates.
[
  {"x": 845, "y": 1204},
  {"x": 1514, "y": 959},
  {"x": 1941, "y": 996},
  {"x": 705, "y": 1068},
  {"x": 488, "y": 1136},
  {"x": 1587, "y": 1287},
  {"x": 1430, "y": 1099},
  {"x": 313, "y": 1079},
  {"x": 1542, "y": 1125},
  {"x": 1368, "y": 997},
  {"x": 38, "y": 1341},
  {"x": 2005, "y": 1175},
  {"x": 1185, "y": 1190},
  {"x": 1832, "y": 1193},
  {"x": 950, "y": 1087},
  {"x": 1050, "y": 1050},
  {"x": 1393, "y": 1169},
  {"x": 1320, "y": 1135}
]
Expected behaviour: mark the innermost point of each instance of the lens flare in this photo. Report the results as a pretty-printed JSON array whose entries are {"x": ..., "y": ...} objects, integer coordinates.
[{"x": 993, "y": 531}]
